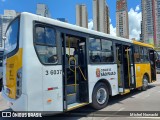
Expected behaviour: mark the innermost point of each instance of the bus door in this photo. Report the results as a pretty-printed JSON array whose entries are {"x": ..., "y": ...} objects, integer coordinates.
[
  {"x": 119, "y": 59},
  {"x": 152, "y": 57},
  {"x": 75, "y": 72},
  {"x": 126, "y": 78},
  {"x": 132, "y": 66}
]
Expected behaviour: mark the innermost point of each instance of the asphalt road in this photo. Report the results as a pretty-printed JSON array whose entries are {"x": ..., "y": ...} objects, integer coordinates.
[{"x": 135, "y": 101}]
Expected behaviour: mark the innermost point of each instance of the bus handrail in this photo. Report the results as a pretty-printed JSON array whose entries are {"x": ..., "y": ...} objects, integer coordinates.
[
  {"x": 75, "y": 74},
  {"x": 82, "y": 73},
  {"x": 128, "y": 65}
]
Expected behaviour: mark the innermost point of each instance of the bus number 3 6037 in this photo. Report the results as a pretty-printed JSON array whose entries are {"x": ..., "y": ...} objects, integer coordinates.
[{"x": 53, "y": 72}]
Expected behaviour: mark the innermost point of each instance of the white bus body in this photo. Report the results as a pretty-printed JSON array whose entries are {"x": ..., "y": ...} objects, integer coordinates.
[{"x": 42, "y": 86}]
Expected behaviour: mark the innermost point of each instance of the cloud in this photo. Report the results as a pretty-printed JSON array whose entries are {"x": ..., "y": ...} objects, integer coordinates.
[
  {"x": 135, "y": 18},
  {"x": 112, "y": 30},
  {"x": 137, "y": 8},
  {"x": 90, "y": 24},
  {"x": 3, "y": 0}
]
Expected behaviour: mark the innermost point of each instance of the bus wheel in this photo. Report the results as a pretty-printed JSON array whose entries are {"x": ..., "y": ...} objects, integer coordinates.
[
  {"x": 145, "y": 83},
  {"x": 100, "y": 96}
]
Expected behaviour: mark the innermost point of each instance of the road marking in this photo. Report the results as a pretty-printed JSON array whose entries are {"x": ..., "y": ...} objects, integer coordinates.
[{"x": 121, "y": 109}]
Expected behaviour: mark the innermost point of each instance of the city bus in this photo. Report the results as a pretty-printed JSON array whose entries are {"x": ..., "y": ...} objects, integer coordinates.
[{"x": 55, "y": 66}]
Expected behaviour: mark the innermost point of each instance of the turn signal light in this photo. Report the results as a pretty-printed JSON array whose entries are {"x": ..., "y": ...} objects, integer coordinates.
[{"x": 49, "y": 100}]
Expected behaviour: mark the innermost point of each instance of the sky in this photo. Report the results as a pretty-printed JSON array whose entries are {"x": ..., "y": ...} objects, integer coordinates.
[{"x": 67, "y": 9}]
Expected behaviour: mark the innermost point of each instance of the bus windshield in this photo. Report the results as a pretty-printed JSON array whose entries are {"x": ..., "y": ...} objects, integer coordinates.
[{"x": 11, "y": 37}]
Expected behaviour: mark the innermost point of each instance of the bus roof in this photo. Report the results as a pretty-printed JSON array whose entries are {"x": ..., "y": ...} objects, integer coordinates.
[
  {"x": 142, "y": 44},
  {"x": 74, "y": 27}
]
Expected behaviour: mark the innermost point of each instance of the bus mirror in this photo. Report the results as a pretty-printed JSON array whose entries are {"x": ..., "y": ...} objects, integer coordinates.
[{"x": 4, "y": 38}]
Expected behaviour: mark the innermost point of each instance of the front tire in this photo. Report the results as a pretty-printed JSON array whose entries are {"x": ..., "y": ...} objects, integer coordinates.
[
  {"x": 145, "y": 83},
  {"x": 100, "y": 96}
]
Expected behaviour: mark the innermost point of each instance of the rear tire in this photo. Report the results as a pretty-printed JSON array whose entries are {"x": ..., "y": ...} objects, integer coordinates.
[
  {"x": 145, "y": 83},
  {"x": 100, "y": 96}
]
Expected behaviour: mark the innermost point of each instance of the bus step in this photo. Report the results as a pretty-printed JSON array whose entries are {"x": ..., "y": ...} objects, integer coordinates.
[
  {"x": 71, "y": 98},
  {"x": 71, "y": 88},
  {"x": 75, "y": 105},
  {"x": 126, "y": 91}
]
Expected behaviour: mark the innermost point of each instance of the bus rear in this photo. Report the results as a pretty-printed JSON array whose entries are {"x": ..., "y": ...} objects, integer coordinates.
[
  {"x": 26, "y": 85},
  {"x": 12, "y": 64}
]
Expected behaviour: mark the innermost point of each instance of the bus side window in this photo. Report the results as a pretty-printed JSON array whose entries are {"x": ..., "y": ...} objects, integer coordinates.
[
  {"x": 141, "y": 54},
  {"x": 100, "y": 51},
  {"x": 40, "y": 36},
  {"x": 136, "y": 54},
  {"x": 94, "y": 50},
  {"x": 45, "y": 44},
  {"x": 107, "y": 51},
  {"x": 146, "y": 55}
]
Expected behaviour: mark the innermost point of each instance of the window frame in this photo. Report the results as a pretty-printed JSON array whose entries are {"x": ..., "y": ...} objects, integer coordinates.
[
  {"x": 141, "y": 51},
  {"x": 141, "y": 61},
  {"x": 100, "y": 38},
  {"x": 135, "y": 61},
  {"x": 40, "y": 24},
  {"x": 45, "y": 27}
]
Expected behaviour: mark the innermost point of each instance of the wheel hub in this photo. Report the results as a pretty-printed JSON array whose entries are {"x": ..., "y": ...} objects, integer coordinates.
[
  {"x": 145, "y": 82},
  {"x": 101, "y": 96}
]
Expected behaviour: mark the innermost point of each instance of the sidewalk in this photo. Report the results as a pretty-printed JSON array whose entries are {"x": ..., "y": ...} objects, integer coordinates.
[
  {"x": 3, "y": 103},
  {"x": 158, "y": 79},
  {"x": 157, "y": 82}
]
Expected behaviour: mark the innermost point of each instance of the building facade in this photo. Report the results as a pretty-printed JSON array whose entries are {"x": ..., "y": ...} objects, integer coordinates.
[
  {"x": 157, "y": 22},
  {"x": 147, "y": 21},
  {"x": 151, "y": 22},
  {"x": 122, "y": 25},
  {"x": 42, "y": 9},
  {"x": 5, "y": 19},
  {"x": 108, "y": 19},
  {"x": 81, "y": 15},
  {"x": 101, "y": 21}
]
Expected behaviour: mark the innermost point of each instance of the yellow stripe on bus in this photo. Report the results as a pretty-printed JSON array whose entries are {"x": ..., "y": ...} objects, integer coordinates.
[{"x": 14, "y": 63}]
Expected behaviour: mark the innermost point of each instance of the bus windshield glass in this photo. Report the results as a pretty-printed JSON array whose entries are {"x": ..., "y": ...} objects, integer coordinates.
[{"x": 11, "y": 37}]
